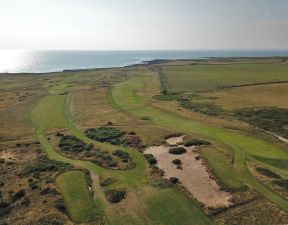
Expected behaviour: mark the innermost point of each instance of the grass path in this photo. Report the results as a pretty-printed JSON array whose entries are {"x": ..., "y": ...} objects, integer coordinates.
[
  {"x": 124, "y": 96},
  {"x": 145, "y": 204}
]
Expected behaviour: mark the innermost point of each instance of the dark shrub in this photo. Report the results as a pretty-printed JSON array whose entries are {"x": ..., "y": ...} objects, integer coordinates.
[
  {"x": 267, "y": 173},
  {"x": 196, "y": 142},
  {"x": 44, "y": 164},
  {"x": 33, "y": 185},
  {"x": 105, "y": 181},
  {"x": 177, "y": 150},
  {"x": 177, "y": 161},
  {"x": 25, "y": 202},
  {"x": 60, "y": 205},
  {"x": 2, "y": 161},
  {"x": 3, "y": 205},
  {"x": 121, "y": 154},
  {"x": 174, "y": 180},
  {"x": 48, "y": 190},
  {"x": 104, "y": 134},
  {"x": 112, "y": 164},
  {"x": 18, "y": 195},
  {"x": 48, "y": 220},
  {"x": 115, "y": 195},
  {"x": 281, "y": 183},
  {"x": 150, "y": 159},
  {"x": 179, "y": 167}
]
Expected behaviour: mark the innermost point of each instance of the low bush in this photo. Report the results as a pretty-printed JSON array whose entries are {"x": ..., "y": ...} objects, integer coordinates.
[
  {"x": 106, "y": 181},
  {"x": 150, "y": 159},
  {"x": 282, "y": 183},
  {"x": 18, "y": 195},
  {"x": 267, "y": 118},
  {"x": 167, "y": 97},
  {"x": 177, "y": 150},
  {"x": 121, "y": 154},
  {"x": 177, "y": 161},
  {"x": 174, "y": 180},
  {"x": 60, "y": 205},
  {"x": 104, "y": 134},
  {"x": 115, "y": 195},
  {"x": 44, "y": 164},
  {"x": 73, "y": 144},
  {"x": 145, "y": 118},
  {"x": 48, "y": 220},
  {"x": 267, "y": 173},
  {"x": 196, "y": 142}
]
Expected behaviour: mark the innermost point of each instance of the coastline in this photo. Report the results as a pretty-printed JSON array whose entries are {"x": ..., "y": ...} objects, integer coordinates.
[{"x": 154, "y": 62}]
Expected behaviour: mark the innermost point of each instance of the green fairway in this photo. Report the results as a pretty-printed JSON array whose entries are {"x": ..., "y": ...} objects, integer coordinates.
[
  {"x": 207, "y": 77},
  {"x": 73, "y": 187},
  {"x": 47, "y": 114},
  {"x": 125, "y": 96},
  {"x": 58, "y": 116}
]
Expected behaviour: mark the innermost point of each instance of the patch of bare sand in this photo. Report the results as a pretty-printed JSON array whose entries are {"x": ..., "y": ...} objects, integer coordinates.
[
  {"x": 193, "y": 176},
  {"x": 175, "y": 140}
]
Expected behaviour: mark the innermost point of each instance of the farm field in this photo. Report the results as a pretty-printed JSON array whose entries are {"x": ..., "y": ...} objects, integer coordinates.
[
  {"x": 208, "y": 77},
  {"x": 122, "y": 101}
]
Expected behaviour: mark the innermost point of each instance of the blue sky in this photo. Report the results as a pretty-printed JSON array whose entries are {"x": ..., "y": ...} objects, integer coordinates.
[{"x": 144, "y": 24}]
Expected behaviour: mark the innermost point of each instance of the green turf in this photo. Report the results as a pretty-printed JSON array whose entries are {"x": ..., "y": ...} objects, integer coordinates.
[
  {"x": 48, "y": 113},
  {"x": 125, "y": 96},
  {"x": 207, "y": 77},
  {"x": 52, "y": 112},
  {"x": 73, "y": 187},
  {"x": 168, "y": 207},
  {"x": 222, "y": 169}
]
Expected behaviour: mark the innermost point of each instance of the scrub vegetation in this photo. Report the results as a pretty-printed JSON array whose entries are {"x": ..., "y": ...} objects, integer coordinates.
[{"x": 73, "y": 144}]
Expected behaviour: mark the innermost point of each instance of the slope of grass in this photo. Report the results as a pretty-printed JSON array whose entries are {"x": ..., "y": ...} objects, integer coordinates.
[
  {"x": 207, "y": 77},
  {"x": 222, "y": 169},
  {"x": 168, "y": 207},
  {"x": 48, "y": 112},
  {"x": 125, "y": 96},
  {"x": 54, "y": 108},
  {"x": 73, "y": 187}
]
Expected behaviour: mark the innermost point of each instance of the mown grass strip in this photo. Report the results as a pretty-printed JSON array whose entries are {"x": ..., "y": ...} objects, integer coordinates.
[{"x": 74, "y": 189}]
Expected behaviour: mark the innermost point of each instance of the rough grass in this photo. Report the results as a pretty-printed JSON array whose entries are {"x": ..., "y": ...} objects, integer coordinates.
[
  {"x": 208, "y": 77},
  {"x": 73, "y": 187},
  {"x": 275, "y": 95}
]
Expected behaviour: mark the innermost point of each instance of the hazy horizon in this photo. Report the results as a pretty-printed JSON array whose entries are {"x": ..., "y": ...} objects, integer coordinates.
[{"x": 144, "y": 25}]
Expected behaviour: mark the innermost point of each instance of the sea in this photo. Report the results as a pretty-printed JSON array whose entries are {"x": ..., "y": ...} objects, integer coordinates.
[{"x": 21, "y": 61}]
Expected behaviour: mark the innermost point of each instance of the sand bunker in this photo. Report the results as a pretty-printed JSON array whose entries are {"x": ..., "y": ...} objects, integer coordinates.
[
  {"x": 193, "y": 176},
  {"x": 175, "y": 140}
]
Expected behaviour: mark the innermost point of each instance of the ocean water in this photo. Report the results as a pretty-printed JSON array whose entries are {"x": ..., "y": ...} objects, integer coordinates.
[{"x": 16, "y": 61}]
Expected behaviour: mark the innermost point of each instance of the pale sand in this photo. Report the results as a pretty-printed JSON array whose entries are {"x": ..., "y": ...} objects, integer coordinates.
[
  {"x": 175, "y": 140},
  {"x": 194, "y": 176}
]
